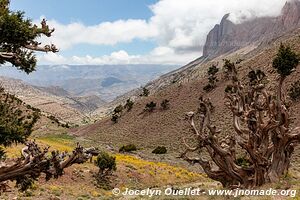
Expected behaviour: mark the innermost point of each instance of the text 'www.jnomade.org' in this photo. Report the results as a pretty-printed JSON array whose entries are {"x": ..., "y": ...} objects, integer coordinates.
[{"x": 150, "y": 192}]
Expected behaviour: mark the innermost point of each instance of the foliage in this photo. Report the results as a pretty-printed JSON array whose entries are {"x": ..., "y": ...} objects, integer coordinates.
[
  {"x": 208, "y": 88},
  {"x": 229, "y": 89},
  {"x": 243, "y": 162},
  {"x": 256, "y": 77},
  {"x": 18, "y": 42},
  {"x": 150, "y": 107},
  {"x": 239, "y": 61},
  {"x": 128, "y": 148},
  {"x": 145, "y": 92},
  {"x": 228, "y": 68},
  {"x": 25, "y": 182},
  {"x": 114, "y": 118},
  {"x": 18, "y": 39},
  {"x": 105, "y": 162},
  {"x": 118, "y": 109},
  {"x": 128, "y": 105},
  {"x": 294, "y": 91},
  {"x": 117, "y": 113},
  {"x": 54, "y": 119},
  {"x": 262, "y": 130},
  {"x": 165, "y": 104},
  {"x": 286, "y": 60},
  {"x": 2, "y": 154},
  {"x": 15, "y": 126},
  {"x": 160, "y": 150},
  {"x": 212, "y": 78},
  {"x": 157, "y": 173}
]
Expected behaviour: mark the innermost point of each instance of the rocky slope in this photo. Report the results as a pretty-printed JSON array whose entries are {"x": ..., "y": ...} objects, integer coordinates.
[
  {"x": 228, "y": 37},
  {"x": 63, "y": 108},
  {"x": 105, "y": 81},
  {"x": 167, "y": 127}
]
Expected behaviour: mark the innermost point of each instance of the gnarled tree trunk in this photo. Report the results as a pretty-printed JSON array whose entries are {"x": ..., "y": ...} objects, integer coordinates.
[
  {"x": 35, "y": 161},
  {"x": 262, "y": 130}
]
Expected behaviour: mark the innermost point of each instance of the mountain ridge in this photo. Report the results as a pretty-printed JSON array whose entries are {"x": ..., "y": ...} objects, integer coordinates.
[
  {"x": 227, "y": 36},
  {"x": 64, "y": 108}
]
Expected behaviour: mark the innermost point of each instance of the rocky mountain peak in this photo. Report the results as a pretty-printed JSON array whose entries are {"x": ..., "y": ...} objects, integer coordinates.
[
  {"x": 227, "y": 36},
  {"x": 217, "y": 34},
  {"x": 290, "y": 14}
]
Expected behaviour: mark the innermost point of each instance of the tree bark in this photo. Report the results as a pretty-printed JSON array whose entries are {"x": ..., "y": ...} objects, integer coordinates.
[{"x": 261, "y": 125}]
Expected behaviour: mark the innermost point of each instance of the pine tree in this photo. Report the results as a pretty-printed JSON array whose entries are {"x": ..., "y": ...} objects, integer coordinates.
[
  {"x": 18, "y": 44},
  {"x": 18, "y": 39}
]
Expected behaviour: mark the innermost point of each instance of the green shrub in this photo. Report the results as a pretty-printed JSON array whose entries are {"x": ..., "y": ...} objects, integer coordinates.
[
  {"x": 212, "y": 78},
  {"x": 165, "y": 104},
  {"x": 128, "y": 148},
  {"x": 107, "y": 165},
  {"x": 118, "y": 109},
  {"x": 105, "y": 162},
  {"x": 150, "y": 107},
  {"x": 229, "y": 89},
  {"x": 239, "y": 61},
  {"x": 115, "y": 118},
  {"x": 285, "y": 61},
  {"x": 208, "y": 88},
  {"x": 117, "y": 113},
  {"x": 294, "y": 91},
  {"x": 128, "y": 105},
  {"x": 160, "y": 150},
  {"x": 243, "y": 162},
  {"x": 2, "y": 153},
  {"x": 145, "y": 92},
  {"x": 228, "y": 68},
  {"x": 256, "y": 76}
]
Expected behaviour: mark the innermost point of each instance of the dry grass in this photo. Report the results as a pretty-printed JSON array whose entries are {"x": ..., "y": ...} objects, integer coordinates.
[{"x": 78, "y": 181}]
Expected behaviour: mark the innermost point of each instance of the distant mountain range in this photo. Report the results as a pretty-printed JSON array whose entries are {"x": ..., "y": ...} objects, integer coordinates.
[
  {"x": 237, "y": 41},
  {"x": 62, "y": 107},
  {"x": 86, "y": 89},
  {"x": 184, "y": 86},
  {"x": 73, "y": 93},
  {"x": 105, "y": 81}
]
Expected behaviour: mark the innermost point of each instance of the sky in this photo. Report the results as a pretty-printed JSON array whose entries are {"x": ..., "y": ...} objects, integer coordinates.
[{"x": 100, "y": 32}]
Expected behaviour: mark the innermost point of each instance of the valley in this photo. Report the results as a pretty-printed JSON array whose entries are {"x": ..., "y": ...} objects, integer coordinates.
[{"x": 136, "y": 120}]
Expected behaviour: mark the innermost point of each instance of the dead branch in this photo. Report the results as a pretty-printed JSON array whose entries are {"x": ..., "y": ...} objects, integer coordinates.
[
  {"x": 261, "y": 125},
  {"x": 36, "y": 161}
]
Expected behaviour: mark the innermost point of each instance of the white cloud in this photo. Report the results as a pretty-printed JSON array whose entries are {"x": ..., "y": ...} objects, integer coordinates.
[
  {"x": 179, "y": 28},
  {"x": 52, "y": 58},
  {"x": 106, "y": 33},
  {"x": 160, "y": 55},
  {"x": 185, "y": 24}
]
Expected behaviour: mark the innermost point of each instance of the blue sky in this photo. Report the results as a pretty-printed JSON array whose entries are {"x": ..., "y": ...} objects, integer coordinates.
[
  {"x": 91, "y": 12},
  {"x": 134, "y": 31}
]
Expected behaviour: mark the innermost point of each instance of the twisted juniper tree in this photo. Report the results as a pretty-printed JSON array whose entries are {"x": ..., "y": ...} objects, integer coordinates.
[
  {"x": 18, "y": 39},
  {"x": 18, "y": 44},
  {"x": 262, "y": 130}
]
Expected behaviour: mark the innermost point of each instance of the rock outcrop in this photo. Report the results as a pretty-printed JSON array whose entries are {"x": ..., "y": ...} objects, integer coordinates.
[{"x": 227, "y": 37}]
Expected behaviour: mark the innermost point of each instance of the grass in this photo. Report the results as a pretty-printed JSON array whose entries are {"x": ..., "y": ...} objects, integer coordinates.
[
  {"x": 155, "y": 173},
  {"x": 61, "y": 142},
  {"x": 132, "y": 172}
]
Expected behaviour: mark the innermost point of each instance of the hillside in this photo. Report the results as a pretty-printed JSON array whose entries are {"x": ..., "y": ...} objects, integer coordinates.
[
  {"x": 62, "y": 108},
  {"x": 148, "y": 130},
  {"x": 105, "y": 81},
  {"x": 84, "y": 112},
  {"x": 232, "y": 40},
  {"x": 227, "y": 37}
]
